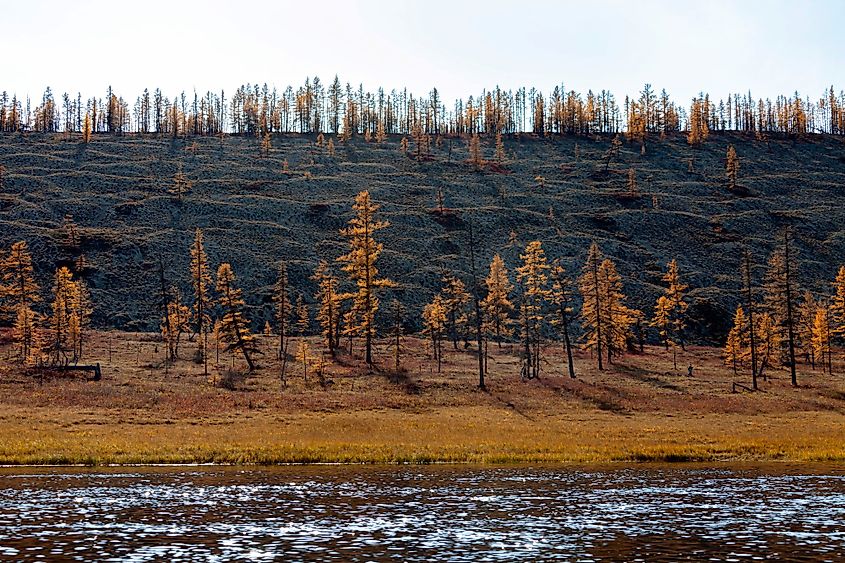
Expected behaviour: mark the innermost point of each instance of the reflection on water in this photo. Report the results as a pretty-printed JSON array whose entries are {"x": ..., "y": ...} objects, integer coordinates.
[{"x": 416, "y": 514}]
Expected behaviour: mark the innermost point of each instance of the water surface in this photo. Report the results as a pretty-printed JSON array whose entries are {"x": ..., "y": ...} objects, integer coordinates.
[{"x": 455, "y": 513}]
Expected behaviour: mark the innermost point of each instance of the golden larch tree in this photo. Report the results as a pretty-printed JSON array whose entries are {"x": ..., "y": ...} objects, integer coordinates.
[
  {"x": 329, "y": 302},
  {"x": 360, "y": 264},
  {"x": 736, "y": 344},
  {"x": 592, "y": 310},
  {"x": 434, "y": 326},
  {"x": 533, "y": 277},
  {"x": 732, "y": 168},
  {"x": 281, "y": 300},
  {"x": 497, "y": 304},
  {"x": 561, "y": 298}
]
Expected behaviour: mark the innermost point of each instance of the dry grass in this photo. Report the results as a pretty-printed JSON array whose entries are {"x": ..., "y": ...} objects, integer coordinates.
[{"x": 641, "y": 410}]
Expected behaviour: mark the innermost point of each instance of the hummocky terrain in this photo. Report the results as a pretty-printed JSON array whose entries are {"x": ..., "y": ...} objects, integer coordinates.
[{"x": 255, "y": 210}]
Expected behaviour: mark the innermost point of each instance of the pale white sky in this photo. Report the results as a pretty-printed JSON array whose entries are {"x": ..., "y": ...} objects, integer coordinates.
[{"x": 770, "y": 47}]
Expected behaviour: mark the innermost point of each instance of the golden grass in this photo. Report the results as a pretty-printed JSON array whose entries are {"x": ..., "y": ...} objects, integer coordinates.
[{"x": 640, "y": 411}]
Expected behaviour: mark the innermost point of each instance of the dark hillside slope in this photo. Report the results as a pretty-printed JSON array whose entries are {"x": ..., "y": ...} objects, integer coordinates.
[{"x": 254, "y": 214}]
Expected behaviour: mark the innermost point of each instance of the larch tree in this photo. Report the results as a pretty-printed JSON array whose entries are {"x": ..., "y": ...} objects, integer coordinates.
[
  {"x": 561, "y": 298},
  {"x": 175, "y": 323},
  {"x": 329, "y": 300},
  {"x": 618, "y": 317},
  {"x": 837, "y": 305},
  {"x": 360, "y": 264},
  {"x": 748, "y": 290},
  {"x": 500, "y": 148},
  {"x": 434, "y": 327},
  {"x": 821, "y": 337},
  {"x": 736, "y": 344},
  {"x": 201, "y": 283},
  {"x": 86, "y": 129},
  {"x": 234, "y": 327},
  {"x": 768, "y": 341},
  {"x": 80, "y": 316},
  {"x": 303, "y": 320},
  {"x": 592, "y": 310},
  {"x": 476, "y": 158},
  {"x": 456, "y": 298},
  {"x": 533, "y": 277},
  {"x": 670, "y": 310},
  {"x": 60, "y": 339},
  {"x": 732, "y": 168},
  {"x": 17, "y": 280},
  {"x": 805, "y": 317},
  {"x": 497, "y": 304},
  {"x": 781, "y": 294},
  {"x": 27, "y": 336},
  {"x": 281, "y": 300}
]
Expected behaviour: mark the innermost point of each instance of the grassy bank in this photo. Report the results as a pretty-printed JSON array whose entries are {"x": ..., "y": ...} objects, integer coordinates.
[{"x": 642, "y": 409}]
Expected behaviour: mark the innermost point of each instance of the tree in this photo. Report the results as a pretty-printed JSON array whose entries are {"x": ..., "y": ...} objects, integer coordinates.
[
  {"x": 561, "y": 298},
  {"x": 781, "y": 295},
  {"x": 434, "y": 326},
  {"x": 360, "y": 264},
  {"x": 455, "y": 300},
  {"x": 837, "y": 306},
  {"x": 27, "y": 335},
  {"x": 60, "y": 340},
  {"x": 768, "y": 339},
  {"x": 731, "y": 168},
  {"x": 234, "y": 327},
  {"x": 750, "y": 304},
  {"x": 670, "y": 311},
  {"x": 821, "y": 336},
  {"x": 86, "y": 129},
  {"x": 632, "y": 183},
  {"x": 735, "y": 346},
  {"x": 200, "y": 282},
  {"x": 303, "y": 321},
  {"x": 476, "y": 157},
  {"x": 533, "y": 276},
  {"x": 381, "y": 135},
  {"x": 593, "y": 308},
  {"x": 281, "y": 299},
  {"x": 328, "y": 312},
  {"x": 497, "y": 304},
  {"x": 175, "y": 323},
  {"x": 618, "y": 317},
  {"x": 17, "y": 281},
  {"x": 500, "y": 148},
  {"x": 80, "y": 316},
  {"x": 181, "y": 185}
]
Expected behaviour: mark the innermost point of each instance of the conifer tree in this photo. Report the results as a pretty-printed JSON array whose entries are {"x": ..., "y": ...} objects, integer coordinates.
[
  {"x": 330, "y": 150},
  {"x": 86, "y": 129},
  {"x": 303, "y": 321},
  {"x": 434, "y": 326},
  {"x": 303, "y": 356},
  {"x": 17, "y": 281},
  {"x": 781, "y": 296},
  {"x": 234, "y": 327},
  {"x": 837, "y": 305},
  {"x": 751, "y": 305},
  {"x": 561, "y": 298},
  {"x": 27, "y": 336},
  {"x": 59, "y": 344},
  {"x": 281, "y": 299},
  {"x": 533, "y": 276},
  {"x": 455, "y": 299},
  {"x": 592, "y": 311},
  {"x": 403, "y": 145},
  {"x": 632, "y": 183},
  {"x": 732, "y": 168},
  {"x": 618, "y": 317},
  {"x": 181, "y": 185},
  {"x": 266, "y": 144},
  {"x": 329, "y": 299},
  {"x": 175, "y": 323},
  {"x": 381, "y": 135},
  {"x": 768, "y": 341},
  {"x": 500, "y": 148},
  {"x": 497, "y": 304},
  {"x": 671, "y": 308},
  {"x": 821, "y": 336},
  {"x": 80, "y": 316},
  {"x": 475, "y": 156},
  {"x": 360, "y": 264},
  {"x": 805, "y": 316},
  {"x": 201, "y": 282},
  {"x": 735, "y": 346}
]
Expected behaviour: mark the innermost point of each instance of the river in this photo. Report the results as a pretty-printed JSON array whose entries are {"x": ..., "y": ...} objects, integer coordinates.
[{"x": 410, "y": 513}]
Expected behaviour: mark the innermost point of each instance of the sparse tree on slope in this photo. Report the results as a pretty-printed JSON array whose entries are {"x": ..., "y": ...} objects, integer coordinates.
[
  {"x": 732, "y": 168},
  {"x": 434, "y": 325},
  {"x": 328, "y": 313},
  {"x": 782, "y": 294},
  {"x": 281, "y": 299},
  {"x": 736, "y": 344},
  {"x": 455, "y": 299},
  {"x": 592, "y": 311}
]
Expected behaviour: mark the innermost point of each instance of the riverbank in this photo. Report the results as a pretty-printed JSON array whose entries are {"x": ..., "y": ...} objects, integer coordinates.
[{"x": 640, "y": 410}]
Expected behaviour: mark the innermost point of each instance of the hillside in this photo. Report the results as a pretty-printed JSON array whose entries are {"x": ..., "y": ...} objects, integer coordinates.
[{"x": 254, "y": 214}]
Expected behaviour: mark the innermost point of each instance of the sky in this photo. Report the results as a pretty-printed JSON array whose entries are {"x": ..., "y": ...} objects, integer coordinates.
[{"x": 461, "y": 47}]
